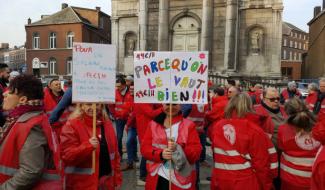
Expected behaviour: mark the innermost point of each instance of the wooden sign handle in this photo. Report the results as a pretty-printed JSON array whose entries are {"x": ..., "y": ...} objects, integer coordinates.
[{"x": 94, "y": 135}]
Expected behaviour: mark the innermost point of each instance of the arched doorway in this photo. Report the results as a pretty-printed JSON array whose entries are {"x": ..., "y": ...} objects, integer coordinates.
[{"x": 186, "y": 36}]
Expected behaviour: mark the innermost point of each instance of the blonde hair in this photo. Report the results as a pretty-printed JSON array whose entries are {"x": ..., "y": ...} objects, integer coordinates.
[
  {"x": 78, "y": 112},
  {"x": 241, "y": 104}
]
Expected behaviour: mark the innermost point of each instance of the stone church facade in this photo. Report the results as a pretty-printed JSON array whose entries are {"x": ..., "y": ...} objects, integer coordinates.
[{"x": 243, "y": 37}]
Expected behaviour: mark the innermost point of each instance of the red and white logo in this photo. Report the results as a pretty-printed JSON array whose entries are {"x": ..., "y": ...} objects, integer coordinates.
[
  {"x": 305, "y": 141},
  {"x": 229, "y": 133}
]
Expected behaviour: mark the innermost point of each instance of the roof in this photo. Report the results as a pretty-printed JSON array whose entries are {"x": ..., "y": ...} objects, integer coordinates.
[
  {"x": 67, "y": 15},
  {"x": 64, "y": 16},
  {"x": 293, "y": 27},
  {"x": 316, "y": 17}
]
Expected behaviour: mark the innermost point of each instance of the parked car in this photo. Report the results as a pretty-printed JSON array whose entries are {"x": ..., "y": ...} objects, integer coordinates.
[{"x": 303, "y": 88}]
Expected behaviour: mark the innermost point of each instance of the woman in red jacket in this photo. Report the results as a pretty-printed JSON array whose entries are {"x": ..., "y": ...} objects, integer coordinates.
[
  {"x": 240, "y": 148},
  {"x": 298, "y": 146},
  {"x": 182, "y": 149},
  {"x": 77, "y": 145}
]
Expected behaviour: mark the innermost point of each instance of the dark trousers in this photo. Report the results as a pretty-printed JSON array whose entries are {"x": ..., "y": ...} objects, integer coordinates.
[
  {"x": 143, "y": 169},
  {"x": 203, "y": 140},
  {"x": 131, "y": 144},
  {"x": 120, "y": 124}
]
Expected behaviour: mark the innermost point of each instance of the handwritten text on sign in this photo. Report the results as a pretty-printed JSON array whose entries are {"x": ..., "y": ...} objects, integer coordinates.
[
  {"x": 171, "y": 77},
  {"x": 93, "y": 72}
]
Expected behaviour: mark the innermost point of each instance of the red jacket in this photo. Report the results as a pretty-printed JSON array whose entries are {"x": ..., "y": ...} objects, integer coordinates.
[
  {"x": 286, "y": 97},
  {"x": 197, "y": 116},
  {"x": 76, "y": 152},
  {"x": 144, "y": 113},
  {"x": 121, "y": 108},
  {"x": 217, "y": 113},
  {"x": 263, "y": 122},
  {"x": 241, "y": 156},
  {"x": 318, "y": 172},
  {"x": 156, "y": 139},
  {"x": 14, "y": 142},
  {"x": 50, "y": 102},
  {"x": 298, "y": 155},
  {"x": 311, "y": 100}
]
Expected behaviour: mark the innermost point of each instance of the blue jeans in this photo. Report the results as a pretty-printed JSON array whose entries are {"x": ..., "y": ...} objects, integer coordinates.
[
  {"x": 203, "y": 140},
  {"x": 131, "y": 144},
  {"x": 120, "y": 124}
]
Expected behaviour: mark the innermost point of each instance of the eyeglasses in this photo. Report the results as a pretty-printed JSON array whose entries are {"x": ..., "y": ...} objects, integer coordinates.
[{"x": 273, "y": 99}]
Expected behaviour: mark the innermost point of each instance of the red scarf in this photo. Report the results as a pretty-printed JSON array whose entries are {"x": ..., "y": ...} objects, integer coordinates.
[{"x": 14, "y": 114}]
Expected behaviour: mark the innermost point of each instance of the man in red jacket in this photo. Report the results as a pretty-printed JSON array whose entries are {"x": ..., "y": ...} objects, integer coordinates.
[
  {"x": 315, "y": 101},
  {"x": 120, "y": 110},
  {"x": 4, "y": 79}
]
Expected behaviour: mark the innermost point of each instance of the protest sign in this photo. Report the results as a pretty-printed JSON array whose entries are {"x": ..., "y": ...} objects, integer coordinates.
[
  {"x": 171, "y": 77},
  {"x": 93, "y": 73}
]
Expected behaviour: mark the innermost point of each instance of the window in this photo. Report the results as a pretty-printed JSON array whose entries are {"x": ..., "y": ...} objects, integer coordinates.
[
  {"x": 69, "y": 66},
  {"x": 70, "y": 38},
  {"x": 304, "y": 37},
  {"x": 295, "y": 56},
  {"x": 36, "y": 41},
  {"x": 299, "y": 45},
  {"x": 290, "y": 55},
  {"x": 52, "y": 40},
  {"x": 286, "y": 71},
  {"x": 52, "y": 66},
  {"x": 284, "y": 54},
  {"x": 101, "y": 22},
  {"x": 285, "y": 42},
  {"x": 296, "y": 45},
  {"x": 291, "y": 43},
  {"x": 300, "y": 36},
  {"x": 299, "y": 57}
]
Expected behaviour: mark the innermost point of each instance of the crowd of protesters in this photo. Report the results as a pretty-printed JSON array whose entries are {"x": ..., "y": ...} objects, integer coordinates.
[{"x": 260, "y": 138}]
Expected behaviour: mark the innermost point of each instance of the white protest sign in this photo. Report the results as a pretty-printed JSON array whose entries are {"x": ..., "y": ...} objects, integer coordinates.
[
  {"x": 93, "y": 73},
  {"x": 171, "y": 77}
]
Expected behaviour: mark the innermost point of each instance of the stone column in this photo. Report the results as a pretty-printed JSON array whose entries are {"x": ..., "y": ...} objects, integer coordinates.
[
  {"x": 163, "y": 32},
  {"x": 207, "y": 26},
  {"x": 115, "y": 39},
  {"x": 230, "y": 35},
  {"x": 275, "y": 66},
  {"x": 143, "y": 24}
]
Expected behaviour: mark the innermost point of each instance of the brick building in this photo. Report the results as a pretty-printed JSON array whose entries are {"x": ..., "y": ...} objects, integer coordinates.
[
  {"x": 17, "y": 60},
  {"x": 294, "y": 46},
  {"x": 315, "y": 61},
  {"x": 49, "y": 40}
]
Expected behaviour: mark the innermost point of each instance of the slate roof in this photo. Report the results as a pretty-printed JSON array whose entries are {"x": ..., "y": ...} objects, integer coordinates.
[
  {"x": 293, "y": 27},
  {"x": 65, "y": 16}
]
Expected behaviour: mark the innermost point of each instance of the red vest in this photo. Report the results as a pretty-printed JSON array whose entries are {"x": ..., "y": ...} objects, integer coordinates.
[
  {"x": 298, "y": 155},
  {"x": 197, "y": 116},
  {"x": 9, "y": 157},
  {"x": 159, "y": 140},
  {"x": 79, "y": 173}
]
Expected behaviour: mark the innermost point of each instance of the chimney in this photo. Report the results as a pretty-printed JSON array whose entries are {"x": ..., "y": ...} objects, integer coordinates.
[
  {"x": 29, "y": 21},
  {"x": 323, "y": 5},
  {"x": 64, "y": 5},
  {"x": 98, "y": 8},
  {"x": 317, "y": 10}
]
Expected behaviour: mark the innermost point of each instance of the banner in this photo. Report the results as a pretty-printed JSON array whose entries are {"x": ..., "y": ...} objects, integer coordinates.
[
  {"x": 93, "y": 73},
  {"x": 171, "y": 77}
]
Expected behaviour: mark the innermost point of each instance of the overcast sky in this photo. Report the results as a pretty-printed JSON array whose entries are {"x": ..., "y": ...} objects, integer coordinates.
[{"x": 14, "y": 14}]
